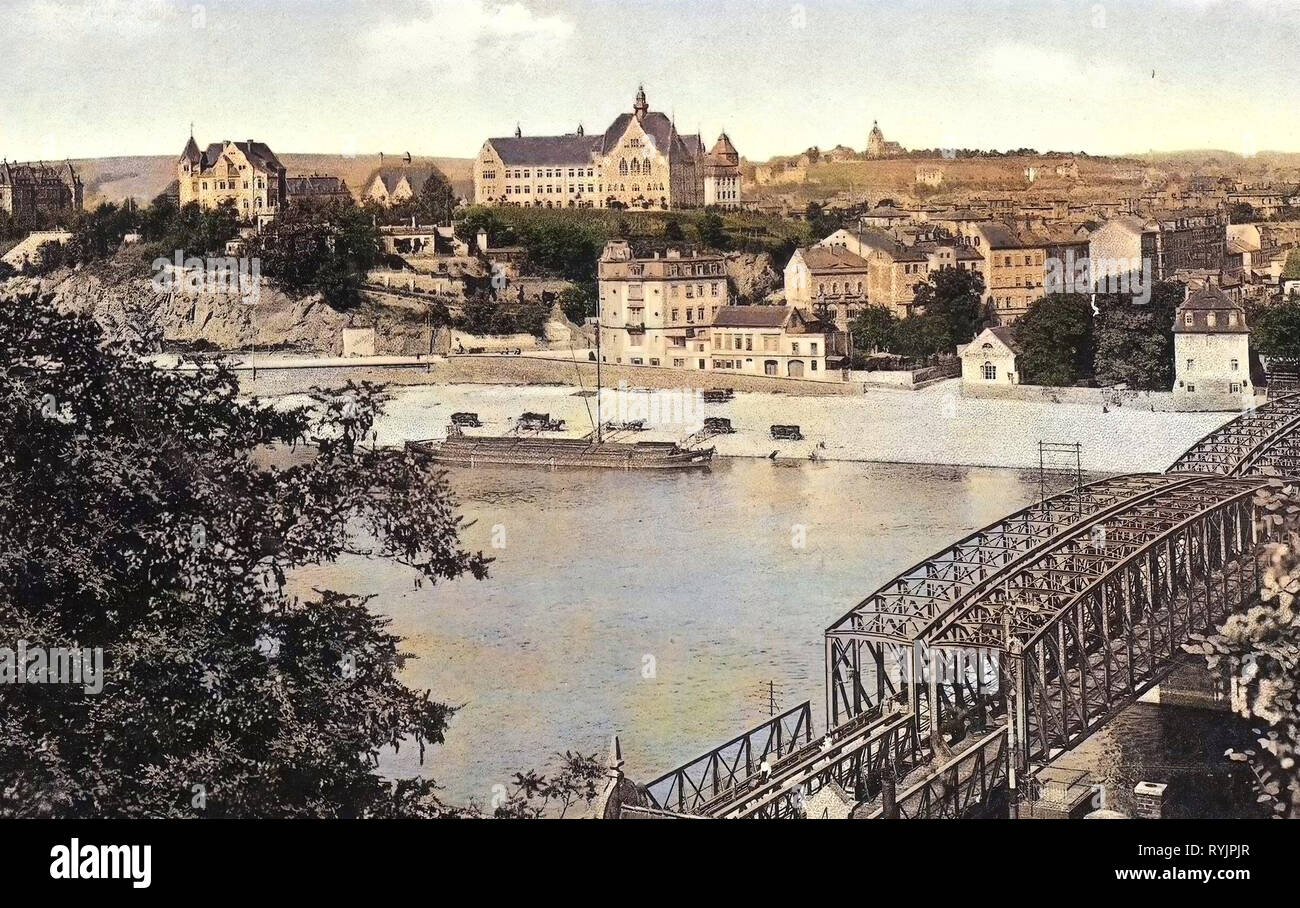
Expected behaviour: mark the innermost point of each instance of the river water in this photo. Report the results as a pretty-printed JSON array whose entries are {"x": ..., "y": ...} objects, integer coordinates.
[{"x": 655, "y": 607}]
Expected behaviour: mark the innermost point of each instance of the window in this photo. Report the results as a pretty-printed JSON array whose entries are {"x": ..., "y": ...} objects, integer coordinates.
[
  {"x": 1191, "y": 387},
  {"x": 1234, "y": 387},
  {"x": 1233, "y": 365},
  {"x": 1187, "y": 319},
  {"x": 814, "y": 349},
  {"x": 1190, "y": 363},
  {"x": 794, "y": 346},
  {"x": 990, "y": 372},
  {"x": 1232, "y": 318},
  {"x": 1211, "y": 319}
]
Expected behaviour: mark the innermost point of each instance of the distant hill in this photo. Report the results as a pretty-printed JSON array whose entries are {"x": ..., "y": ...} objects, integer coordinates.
[{"x": 144, "y": 176}]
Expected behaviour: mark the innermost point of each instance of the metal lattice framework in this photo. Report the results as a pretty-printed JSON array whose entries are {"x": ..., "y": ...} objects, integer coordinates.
[
  {"x": 870, "y": 650},
  {"x": 961, "y": 787},
  {"x": 1258, "y": 439},
  {"x": 690, "y": 786},
  {"x": 1075, "y": 606}
]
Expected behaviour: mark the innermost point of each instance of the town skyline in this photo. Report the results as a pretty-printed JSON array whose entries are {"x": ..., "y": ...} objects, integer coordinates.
[{"x": 1104, "y": 87}]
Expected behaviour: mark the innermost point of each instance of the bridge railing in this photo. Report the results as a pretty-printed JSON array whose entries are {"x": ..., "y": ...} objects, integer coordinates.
[
  {"x": 1119, "y": 637},
  {"x": 959, "y": 787},
  {"x": 688, "y": 787}
]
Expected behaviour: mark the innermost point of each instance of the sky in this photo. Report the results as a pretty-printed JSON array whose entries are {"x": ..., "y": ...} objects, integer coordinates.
[{"x": 97, "y": 78}]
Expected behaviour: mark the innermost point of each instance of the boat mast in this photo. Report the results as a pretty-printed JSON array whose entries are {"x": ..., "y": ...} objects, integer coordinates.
[{"x": 598, "y": 376}]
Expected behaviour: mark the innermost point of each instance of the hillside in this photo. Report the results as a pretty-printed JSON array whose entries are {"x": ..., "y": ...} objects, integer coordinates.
[
  {"x": 143, "y": 177},
  {"x": 897, "y": 178}
]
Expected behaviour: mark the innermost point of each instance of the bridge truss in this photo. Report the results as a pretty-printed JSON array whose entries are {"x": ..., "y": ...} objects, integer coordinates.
[{"x": 985, "y": 662}]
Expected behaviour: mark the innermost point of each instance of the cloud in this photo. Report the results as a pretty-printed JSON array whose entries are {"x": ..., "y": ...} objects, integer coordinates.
[
  {"x": 69, "y": 19},
  {"x": 1029, "y": 67},
  {"x": 455, "y": 37}
]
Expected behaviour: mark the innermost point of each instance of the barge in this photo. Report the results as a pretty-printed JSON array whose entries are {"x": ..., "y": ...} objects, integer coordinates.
[{"x": 481, "y": 450}]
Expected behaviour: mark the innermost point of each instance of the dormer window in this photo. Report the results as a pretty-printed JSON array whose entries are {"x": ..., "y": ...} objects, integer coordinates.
[
  {"x": 1211, "y": 319},
  {"x": 1187, "y": 319},
  {"x": 1232, "y": 318}
]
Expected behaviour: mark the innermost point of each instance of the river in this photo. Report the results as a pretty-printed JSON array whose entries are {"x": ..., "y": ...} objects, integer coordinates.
[{"x": 655, "y": 607}]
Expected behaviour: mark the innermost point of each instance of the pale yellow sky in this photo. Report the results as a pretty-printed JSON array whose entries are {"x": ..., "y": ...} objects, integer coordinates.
[{"x": 105, "y": 77}]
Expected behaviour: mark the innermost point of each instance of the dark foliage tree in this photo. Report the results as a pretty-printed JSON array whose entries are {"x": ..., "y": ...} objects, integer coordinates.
[
  {"x": 437, "y": 199},
  {"x": 325, "y": 249},
  {"x": 712, "y": 232},
  {"x": 578, "y": 302},
  {"x": 1276, "y": 330},
  {"x": 1134, "y": 342},
  {"x": 1255, "y": 656},
  {"x": 873, "y": 329},
  {"x": 136, "y": 516},
  {"x": 483, "y": 313},
  {"x": 1055, "y": 337},
  {"x": 951, "y": 300}
]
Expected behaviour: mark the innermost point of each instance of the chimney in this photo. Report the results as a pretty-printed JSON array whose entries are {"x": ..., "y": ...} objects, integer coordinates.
[{"x": 1149, "y": 800}]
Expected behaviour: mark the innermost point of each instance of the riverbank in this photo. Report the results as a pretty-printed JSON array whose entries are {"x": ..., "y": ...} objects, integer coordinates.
[{"x": 935, "y": 425}]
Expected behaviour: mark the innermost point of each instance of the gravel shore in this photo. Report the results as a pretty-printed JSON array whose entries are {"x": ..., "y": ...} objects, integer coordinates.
[{"x": 935, "y": 425}]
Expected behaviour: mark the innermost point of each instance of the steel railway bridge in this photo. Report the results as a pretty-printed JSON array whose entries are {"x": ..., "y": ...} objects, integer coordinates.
[{"x": 952, "y": 685}]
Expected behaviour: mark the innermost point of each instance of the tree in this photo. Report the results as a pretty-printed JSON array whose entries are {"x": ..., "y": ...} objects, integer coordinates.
[
  {"x": 919, "y": 335},
  {"x": 1134, "y": 343},
  {"x": 578, "y": 302},
  {"x": 437, "y": 200},
  {"x": 1242, "y": 213},
  {"x": 952, "y": 299},
  {"x": 1276, "y": 331},
  {"x": 673, "y": 232},
  {"x": 325, "y": 249},
  {"x": 135, "y": 518},
  {"x": 1055, "y": 337},
  {"x": 575, "y": 782},
  {"x": 873, "y": 329},
  {"x": 712, "y": 232},
  {"x": 1255, "y": 656}
]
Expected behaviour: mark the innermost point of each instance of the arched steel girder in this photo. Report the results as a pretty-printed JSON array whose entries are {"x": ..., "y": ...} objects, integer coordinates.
[
  {"x": 1028, "y": 599},
  {"x": 901, "y": 610},
  {"x": 1235, "y": 448}
]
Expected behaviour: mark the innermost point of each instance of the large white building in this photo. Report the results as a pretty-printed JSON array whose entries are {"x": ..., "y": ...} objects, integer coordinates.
[
  {"x": 673, "y": 310},
  {"x": 1211, "y": 353},
  {"x": 640, "y": 161}
]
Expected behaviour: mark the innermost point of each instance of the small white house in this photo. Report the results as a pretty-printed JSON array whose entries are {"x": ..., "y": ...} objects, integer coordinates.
[
  {"x": 990, "y": 359},
  {"x": 1211, "y": 353}
]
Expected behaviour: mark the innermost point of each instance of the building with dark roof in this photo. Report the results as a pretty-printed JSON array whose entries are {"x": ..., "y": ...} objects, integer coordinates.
[
  {"x": 247, "y": 174},
  {"x": 315, "y": 187},
  {"x": 31, "y": 189},
  {"x": 640, "y": 161},
  {"x": 1211, "y": 352}
]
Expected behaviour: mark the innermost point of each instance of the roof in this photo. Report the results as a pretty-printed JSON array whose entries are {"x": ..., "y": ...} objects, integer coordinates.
[
  {"x": 391, "y": 176},
  {"x": 825, "y": 259},
  {"x": 16, "y": 173},
  {"x": 1002, "y": 236},
  {"x": 1207, "y": 301},
  {"x": 659, "y": 128},
  {"x": 259, "y": 154},
  {"x": 880, "y": 241},
  {"x": 752, "y": 316},
  {"x": 1002, "y": 334},
  {"x": 316, "y": 185},
  {"x": 546, "y": 151},
  {"x": 887, "y": 211}
]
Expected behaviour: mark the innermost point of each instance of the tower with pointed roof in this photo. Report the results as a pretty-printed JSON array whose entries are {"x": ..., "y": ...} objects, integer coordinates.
[
  {"x": 641, "y": 160},
  {"x": 246, "y": 174}
]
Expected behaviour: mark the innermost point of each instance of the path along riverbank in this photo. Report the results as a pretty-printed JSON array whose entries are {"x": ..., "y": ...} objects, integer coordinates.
[{"x": 935, "y": 425}]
